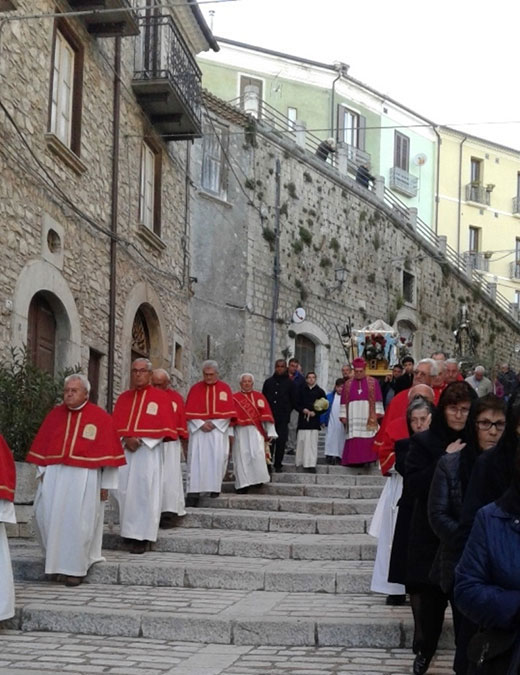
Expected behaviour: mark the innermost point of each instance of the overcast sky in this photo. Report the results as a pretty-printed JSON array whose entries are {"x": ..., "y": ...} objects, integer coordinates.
[{"x": 455, "y": 62}]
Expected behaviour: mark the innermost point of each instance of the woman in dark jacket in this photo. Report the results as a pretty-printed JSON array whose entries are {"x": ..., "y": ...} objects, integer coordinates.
[
  {"x": 487, "y": 579},
  {"x": 308, "y": 423},
  {"x": 418, "y": 418},
  {"x": 485, "y": 426},
  {"x": 446, "y": 434}
]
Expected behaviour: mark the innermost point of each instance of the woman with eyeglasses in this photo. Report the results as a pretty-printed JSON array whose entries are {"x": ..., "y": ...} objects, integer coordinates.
[
  {"x": 485, "y": 425},
  {"x": 445, "y": 435}
]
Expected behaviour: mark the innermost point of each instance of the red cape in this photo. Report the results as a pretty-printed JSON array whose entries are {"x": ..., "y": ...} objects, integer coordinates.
[
  {"x": 251, "y": 408},
  {"x": 84, "y": 438},
  {"x": 179, "y": 412},
  {"x": 394, "y": 431},
  {"x": 145, "y": 413},
  {"x": 7, "y": 472},
  {"x": 210, "y": 401}
]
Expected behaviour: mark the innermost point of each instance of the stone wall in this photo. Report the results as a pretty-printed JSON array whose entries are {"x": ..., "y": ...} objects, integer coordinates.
[
  {"x": 39, "y": 188},
  {"x": 327, "y": 221}
]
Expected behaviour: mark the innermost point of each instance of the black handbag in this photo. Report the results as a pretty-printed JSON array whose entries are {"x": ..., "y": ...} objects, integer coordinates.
[{"x": 491, "y": 651}]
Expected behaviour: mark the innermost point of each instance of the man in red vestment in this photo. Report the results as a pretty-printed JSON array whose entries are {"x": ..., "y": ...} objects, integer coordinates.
[
  {"x": 77, "y": 452},
  {"x": 253, "y": 428},
  {"x": 173, "y": 491},
  {"x": 209, "y": 411},
  {"x": 423, "y": 373},
  {"x": 143, "y": 417},
  {"x": 7, "y": 515}
]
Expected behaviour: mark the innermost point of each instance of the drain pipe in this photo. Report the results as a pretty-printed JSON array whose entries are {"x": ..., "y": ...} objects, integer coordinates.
[
  {"x": 437, "y": 179},
  {"x": 460, "y": 194},
  {"x": 332, "y": 104},
  {"x": 276, "y": 267},
  {"x": 113, "y": 224}
]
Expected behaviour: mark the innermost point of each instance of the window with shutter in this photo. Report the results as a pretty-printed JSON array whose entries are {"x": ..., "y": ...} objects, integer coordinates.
[
  {"x": 214, "y": 165},
  {"x": 150, "y": 189},
  {"x": 401, "y": 151}
]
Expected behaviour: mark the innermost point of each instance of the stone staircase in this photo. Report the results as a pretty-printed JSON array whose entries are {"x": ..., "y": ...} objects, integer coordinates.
[{"x": 287, "y": 565}]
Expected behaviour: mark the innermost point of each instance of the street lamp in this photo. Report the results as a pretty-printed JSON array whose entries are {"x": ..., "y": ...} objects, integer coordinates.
[{"x": 340, "y": 276}]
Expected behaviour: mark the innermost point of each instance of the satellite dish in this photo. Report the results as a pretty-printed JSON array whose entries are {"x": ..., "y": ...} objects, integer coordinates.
[
  {"x": 420, "y": 159},
  {"x": 299, "y": 315}
]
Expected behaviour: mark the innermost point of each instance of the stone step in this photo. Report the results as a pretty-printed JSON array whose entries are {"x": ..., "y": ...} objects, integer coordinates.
[
  {"x": 293, "y": 504},
  {"x": 295, "y": 490},
  {"x": 328, "y": 479},
  {"x": 264, "y": 521},
  {"x": 210, "y": 572},
  {"x": 273, "y": 545},
  {"x": 216, "y": 616}
]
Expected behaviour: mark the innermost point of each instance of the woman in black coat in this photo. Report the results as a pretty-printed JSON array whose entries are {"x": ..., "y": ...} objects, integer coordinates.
[
  {"x": 308, "y": 423},
  {"x": 446, "y": 434},
  {"x": 485, "y": 426}
]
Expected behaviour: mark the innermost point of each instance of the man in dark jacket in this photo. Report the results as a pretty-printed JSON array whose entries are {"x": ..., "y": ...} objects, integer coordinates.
[
  {"x": 406, "y": 379},
  {"x": 279, "y": 391},
  {"x": 508, "y": 380},
  {"x": 363, "y": 176}
]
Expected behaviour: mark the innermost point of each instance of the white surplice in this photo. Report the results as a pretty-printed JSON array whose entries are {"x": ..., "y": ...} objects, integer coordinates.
[
  {"x": 382, "y": 527},
  {"x": 173, "y": 490},
  {"x": 140, "y": 491},
  {"x": 249, "y": 462},
  {"x": 208, "y": 453},
  {"x": 69, "y": 516},
  {"x": 7, "y": 515},
  {"x": 307, "y": 448},
  {"x": 335, "y": 439}
]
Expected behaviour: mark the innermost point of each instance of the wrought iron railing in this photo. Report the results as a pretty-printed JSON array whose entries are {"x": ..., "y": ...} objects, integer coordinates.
[
  {"x": 162, "y": 54},
  {"x": 516, "y": 204},
  {"x": 476, "y": 261},
  {"x": 477, "y": 193}
]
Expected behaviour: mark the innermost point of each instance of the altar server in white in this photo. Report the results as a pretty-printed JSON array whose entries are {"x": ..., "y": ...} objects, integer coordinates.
[
  {"x": 209, "y": 411},
  {"x": 77, "y": 452},
  {"x": 254, "y": 427}
]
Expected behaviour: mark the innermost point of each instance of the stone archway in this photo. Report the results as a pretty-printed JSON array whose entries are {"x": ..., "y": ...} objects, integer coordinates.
[
  {"x": 144, "y": 330},
  {"x": 41, "y": 283},
  {"x": 321, "y": 342}
]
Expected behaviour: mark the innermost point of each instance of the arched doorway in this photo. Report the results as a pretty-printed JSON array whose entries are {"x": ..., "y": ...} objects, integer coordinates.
[
  {"x": 305, "y": 352},
  {"x": 140, "y": 337},
  {"x": 41, "y": 333}
]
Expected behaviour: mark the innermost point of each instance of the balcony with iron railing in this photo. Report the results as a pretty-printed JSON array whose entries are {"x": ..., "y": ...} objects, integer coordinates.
[
  {"x": 109, "y": 18},
  {"x": 402, "y": 181},
  {"x": 476, "y": 261},
  {"x": 478, "y": 194},
  {"x": 356, "y": 156},
  {"x": 167, "y": 79}
]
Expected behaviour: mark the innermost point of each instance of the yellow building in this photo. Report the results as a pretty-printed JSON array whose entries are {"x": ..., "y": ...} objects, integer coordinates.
[{"x": 479, "y": 207}]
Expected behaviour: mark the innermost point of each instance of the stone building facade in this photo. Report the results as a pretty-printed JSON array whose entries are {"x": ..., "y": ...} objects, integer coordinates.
[
  {"x": 93, "y": 197},
  {"x": 257, "y": 195}
]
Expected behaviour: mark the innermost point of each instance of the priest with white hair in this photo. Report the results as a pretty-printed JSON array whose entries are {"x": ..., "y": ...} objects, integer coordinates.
[
  {"x": 143, "y": 418},
  {"x": 254, "y": 427},
  {"x": 209, "y": 410},
  {"x": 78, "y": 454}
]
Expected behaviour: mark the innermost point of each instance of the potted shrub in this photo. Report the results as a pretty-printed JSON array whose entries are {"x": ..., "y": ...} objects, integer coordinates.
[{"x": 27, "y": 393}]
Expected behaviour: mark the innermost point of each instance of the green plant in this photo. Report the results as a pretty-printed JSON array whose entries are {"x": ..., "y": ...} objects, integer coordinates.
[
  {"x": 250, "y": 134},
  {"x": 291, "y": 189},
  {"x": 270, "y": 236},
  {"x": 297, "y": 246},
  {"x": 334, "y": 244},
  {"x": 284, "y": 209},
  {"x": 371, "y": 277},
  {"x": 305, "y": 236},
  {"x": 249, "y": 183},
  {"x": 399, "y": 301},
  {"x": 325, "y": 262},
  {"x": 307, "y": 177},
  {"x": 376, "y": 241},
  {"x": 27, "y": 394}
]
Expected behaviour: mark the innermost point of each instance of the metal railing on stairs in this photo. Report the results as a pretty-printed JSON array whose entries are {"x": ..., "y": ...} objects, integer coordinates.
[{"x": 269, "y": 116}]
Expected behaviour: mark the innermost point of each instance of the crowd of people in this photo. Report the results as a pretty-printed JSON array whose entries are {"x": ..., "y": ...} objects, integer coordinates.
[{"x": 447, "y": 522}]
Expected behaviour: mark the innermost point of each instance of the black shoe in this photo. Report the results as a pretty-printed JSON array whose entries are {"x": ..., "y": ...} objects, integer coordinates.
[
  {"x": 167, "y": 521},
  {"x": 278, "y": 469},
  {"x": 242, "y": 491},
  {"x": 395, "y": 600},
  {"x": 421, "y": 663},
  {"x": 214, "y": 495},
  {"x": 310, "y": 469},
  {"x": 139, "y": 547},
  {"x": 290, "y": 452},
  {"x": 192, "y": 500}
]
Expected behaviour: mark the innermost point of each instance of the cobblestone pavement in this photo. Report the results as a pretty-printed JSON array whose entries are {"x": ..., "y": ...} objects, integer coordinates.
[{"x": 44, "y": 653}]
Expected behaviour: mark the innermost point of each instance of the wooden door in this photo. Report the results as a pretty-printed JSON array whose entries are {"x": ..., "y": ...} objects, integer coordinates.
[{"x": 41, "y": 334}]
